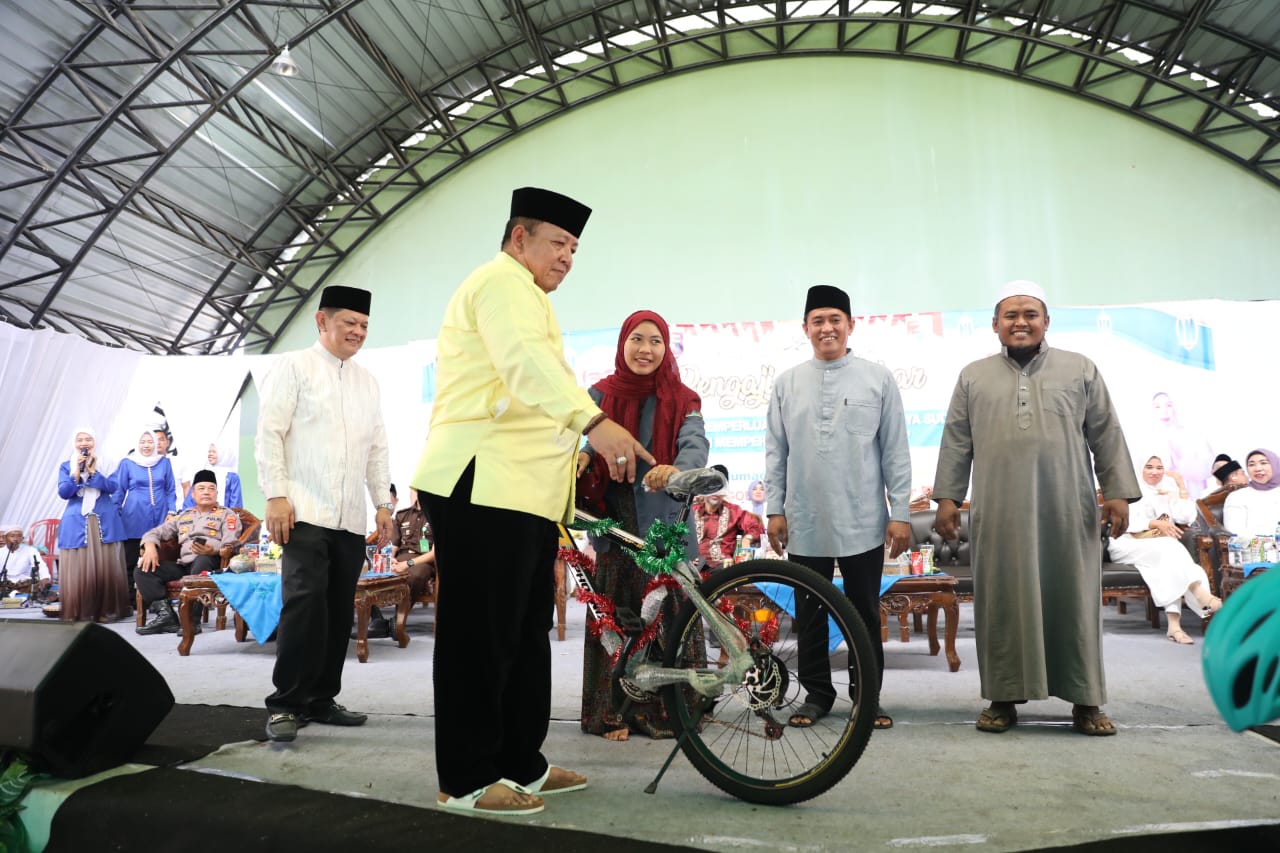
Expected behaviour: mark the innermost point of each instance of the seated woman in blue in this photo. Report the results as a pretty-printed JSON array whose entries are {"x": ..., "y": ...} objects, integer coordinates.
[
  {"x": 222, "y": 462},
  {"x": 91, "y": 583},
  {"x": 146, "y": 493}
]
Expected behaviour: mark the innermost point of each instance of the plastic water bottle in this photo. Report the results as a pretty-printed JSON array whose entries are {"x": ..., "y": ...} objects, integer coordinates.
[{"x": 1235, "y": 551}]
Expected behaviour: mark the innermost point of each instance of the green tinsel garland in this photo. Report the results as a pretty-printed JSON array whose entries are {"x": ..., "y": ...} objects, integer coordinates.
[
  {"x": 594, "y": 528},
  {"x": 671, "y": 536},
  {"x": 15, "y": 781}
]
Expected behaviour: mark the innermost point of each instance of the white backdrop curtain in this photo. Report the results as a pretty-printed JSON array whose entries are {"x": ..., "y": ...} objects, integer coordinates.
[
  {"x": 52, "y": 383},
  {"x": 55, "y": 382}
]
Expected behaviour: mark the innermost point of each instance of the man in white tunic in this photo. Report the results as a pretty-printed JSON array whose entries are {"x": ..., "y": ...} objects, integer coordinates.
[
  {"x": 321, "y": 444},
  {"x": 19, "y": 562},
  {"x": 1035, "y": 425},
  {"x": 835, "y": 449}
]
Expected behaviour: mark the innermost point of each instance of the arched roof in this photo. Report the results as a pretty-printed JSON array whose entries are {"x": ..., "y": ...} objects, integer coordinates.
[{"x": 162, "y": 188}]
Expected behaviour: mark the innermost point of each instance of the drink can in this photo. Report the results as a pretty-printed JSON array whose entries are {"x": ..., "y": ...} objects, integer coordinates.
[
  {"x": 926, "y": 554},
  {"x": 917, "y": 563}
]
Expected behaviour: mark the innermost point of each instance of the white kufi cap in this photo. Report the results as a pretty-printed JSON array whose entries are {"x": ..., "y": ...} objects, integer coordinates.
[{"x": 1022, "y": 287}]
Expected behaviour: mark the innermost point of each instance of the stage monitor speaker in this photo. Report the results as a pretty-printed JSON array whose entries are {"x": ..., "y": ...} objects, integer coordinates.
[{"x": 75, "y": 696}]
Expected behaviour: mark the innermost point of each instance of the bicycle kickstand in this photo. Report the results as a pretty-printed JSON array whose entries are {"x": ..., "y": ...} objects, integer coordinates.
[{"x": 652, "y": 787}]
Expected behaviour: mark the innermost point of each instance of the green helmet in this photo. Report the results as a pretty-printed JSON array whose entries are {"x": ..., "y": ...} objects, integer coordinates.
[{"x": 1241, "y": 654}]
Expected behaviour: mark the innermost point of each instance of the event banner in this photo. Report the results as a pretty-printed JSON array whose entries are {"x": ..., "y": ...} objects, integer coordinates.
[
  {"x": 1190, "y": 380},
  {"x": 1186, "y": 378}
]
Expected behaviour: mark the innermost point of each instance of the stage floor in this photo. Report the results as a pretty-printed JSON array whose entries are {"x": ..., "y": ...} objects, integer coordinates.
[{"x": 932, "y": 781}]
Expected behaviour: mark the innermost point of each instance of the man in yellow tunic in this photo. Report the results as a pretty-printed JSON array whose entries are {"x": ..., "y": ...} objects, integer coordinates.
[
  {"x": 497, "y": 474},
  {"x": 1035, "y": 424}
]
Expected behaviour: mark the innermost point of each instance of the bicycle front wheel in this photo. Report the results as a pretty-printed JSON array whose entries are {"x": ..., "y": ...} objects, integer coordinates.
[{"x": 809, "y": 645}]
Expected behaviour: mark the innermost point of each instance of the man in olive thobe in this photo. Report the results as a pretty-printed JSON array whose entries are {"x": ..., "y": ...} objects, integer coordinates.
[{"x": 1035, "y": 424}]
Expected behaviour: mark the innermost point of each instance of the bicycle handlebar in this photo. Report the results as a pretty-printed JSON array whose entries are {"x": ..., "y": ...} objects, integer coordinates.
[{"x": 683, "y": 486}]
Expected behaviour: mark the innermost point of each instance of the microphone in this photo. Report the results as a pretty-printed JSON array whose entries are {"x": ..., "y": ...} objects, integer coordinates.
[{"x": 84, "y": 451}]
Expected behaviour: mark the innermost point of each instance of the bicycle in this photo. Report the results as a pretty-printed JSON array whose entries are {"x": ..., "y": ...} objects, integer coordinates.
[{"x": 732, "y": 720}]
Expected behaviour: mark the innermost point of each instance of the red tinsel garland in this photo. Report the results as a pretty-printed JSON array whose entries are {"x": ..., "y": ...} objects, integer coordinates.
[
  {"x": 577, "y": 559},
  {"x": 606, "y": 607}
]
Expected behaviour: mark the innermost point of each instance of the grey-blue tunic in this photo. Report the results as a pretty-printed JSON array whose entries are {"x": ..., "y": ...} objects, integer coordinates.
[
  {"x": 1027, "y": 433},
  {"x": 836, "y": 443},
  {"x": 692, "y": 448}
]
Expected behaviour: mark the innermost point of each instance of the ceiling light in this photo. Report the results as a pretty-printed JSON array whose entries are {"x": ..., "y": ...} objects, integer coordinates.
[{"x": 284, "y": 64}]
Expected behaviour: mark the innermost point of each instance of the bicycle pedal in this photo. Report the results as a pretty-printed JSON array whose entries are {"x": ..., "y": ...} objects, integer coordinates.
[{"x": 628, "y": 621}]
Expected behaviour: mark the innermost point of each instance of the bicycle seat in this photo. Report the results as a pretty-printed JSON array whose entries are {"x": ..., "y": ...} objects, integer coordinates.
[{"x": 695, "y": 481}]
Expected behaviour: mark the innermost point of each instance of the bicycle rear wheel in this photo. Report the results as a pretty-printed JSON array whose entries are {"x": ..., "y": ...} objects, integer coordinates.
[{"x": 742, "y": 741}]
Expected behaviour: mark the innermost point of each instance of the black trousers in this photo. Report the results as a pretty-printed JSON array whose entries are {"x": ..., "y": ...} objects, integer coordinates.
[
  {"x": 493, "y": 650},
  {"x": 318, "y": 574},
  {"x": 151, "y": 584},
  {"x": 861, "y": 574},
  {"x": 132, "y": 548}
]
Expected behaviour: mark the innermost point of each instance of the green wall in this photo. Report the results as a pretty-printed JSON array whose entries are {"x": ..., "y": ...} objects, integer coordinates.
[{"x": 723, "y": 194}]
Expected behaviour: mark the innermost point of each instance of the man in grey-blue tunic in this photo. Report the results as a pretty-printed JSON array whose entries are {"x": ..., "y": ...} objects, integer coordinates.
[
  {"x": 835, "y": 449},
  {"x": 1035, "y": 424}
]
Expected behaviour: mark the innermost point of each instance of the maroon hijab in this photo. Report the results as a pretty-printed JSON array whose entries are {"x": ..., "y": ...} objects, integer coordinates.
[{"x": 625, "y": 392}]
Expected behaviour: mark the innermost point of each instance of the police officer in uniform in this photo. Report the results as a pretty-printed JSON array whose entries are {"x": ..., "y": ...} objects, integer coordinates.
[{"x": 205, "y": 532}]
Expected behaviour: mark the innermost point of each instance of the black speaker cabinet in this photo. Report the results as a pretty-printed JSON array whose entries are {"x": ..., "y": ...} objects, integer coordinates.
[{"x": 76, "y": 696}]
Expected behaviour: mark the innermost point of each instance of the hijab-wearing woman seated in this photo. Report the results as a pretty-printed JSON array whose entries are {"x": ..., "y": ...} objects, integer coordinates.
[
  {"x": 1255, "y": 510},
  {"x": 1154, "y": 546}
]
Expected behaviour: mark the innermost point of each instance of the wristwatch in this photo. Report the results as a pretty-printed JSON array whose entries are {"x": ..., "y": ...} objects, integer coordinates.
[
  {"x": 387, "y": 506},
  {"x": 409, "y": 563}
]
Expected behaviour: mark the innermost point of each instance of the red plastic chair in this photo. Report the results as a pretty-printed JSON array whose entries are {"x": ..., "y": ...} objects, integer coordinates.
[{"x": 45, "y": 533}]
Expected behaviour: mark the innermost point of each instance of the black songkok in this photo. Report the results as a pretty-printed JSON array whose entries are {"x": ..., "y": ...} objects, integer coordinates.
[
  {"x": 548, "y": 206},
  {"x": 826, "y": 296},
  {"x": 204, "y": 476},
  {"x": 350, "y": 298},
  {"x": 1226, "y": 471}
]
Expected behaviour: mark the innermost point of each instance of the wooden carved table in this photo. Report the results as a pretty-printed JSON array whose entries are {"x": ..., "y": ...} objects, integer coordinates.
[
  {"x": 203, "y": 589},
  {"x": 928, "y": 594},
  {"x": 384, "y": 592},
  {"x": 380, "y": 591},
  {"x": 1233, "y": 577}
]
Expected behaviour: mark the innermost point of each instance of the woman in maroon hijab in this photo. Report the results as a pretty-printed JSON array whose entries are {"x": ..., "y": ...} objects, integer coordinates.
[{"x": 644, "y": 394}]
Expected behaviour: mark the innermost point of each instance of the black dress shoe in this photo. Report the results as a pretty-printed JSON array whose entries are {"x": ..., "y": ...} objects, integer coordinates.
[
  {"x": 282, "y": 727},
  {"x": 334, "y": 714},
  {"x": 377, "y": 628}
]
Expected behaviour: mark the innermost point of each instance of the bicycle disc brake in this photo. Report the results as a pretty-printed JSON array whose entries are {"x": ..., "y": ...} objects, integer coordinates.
[{"x": 765, "y": 683}]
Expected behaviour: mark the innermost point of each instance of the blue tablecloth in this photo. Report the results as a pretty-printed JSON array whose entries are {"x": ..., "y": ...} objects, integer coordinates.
[
  {"x": 784, "y": 597},
  {"x": 256, "y": 597},
  {"x": 1250, "y": 568}
]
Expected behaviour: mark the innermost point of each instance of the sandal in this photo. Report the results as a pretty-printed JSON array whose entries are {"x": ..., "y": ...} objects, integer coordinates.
[
  {"x": 1180, "y": 637},
  {"x": 883, "y": 720},
  {"x": 998, "y": 717},
  {"x": 470, "y": 803},
  {"x": 806, "y": 715},
  {"x": 567, "y": 782},
  {"x": 1091, "y": 720}
]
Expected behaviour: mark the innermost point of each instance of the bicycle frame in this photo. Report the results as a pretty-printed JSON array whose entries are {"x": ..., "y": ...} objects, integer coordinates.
[
  {"x": 649, "y": 677},
  {"x": 735, "y": 724}
]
